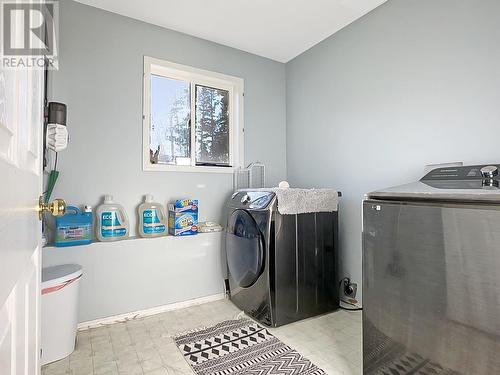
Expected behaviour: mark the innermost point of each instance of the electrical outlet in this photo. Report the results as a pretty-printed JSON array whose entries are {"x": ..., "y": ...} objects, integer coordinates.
[
  {"x": 353, "y": 289},
  {"x": 350, "y": 289}
]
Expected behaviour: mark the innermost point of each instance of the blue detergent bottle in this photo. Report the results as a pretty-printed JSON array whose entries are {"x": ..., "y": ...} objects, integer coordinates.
[
  {"x": 112, "y": 221},
  {"x": 152, "y": 218},
  {"x": 74, "y": 228}
]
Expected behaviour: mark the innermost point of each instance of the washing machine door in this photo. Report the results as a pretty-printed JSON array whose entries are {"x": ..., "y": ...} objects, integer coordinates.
[{"x": 244, "y": 249}]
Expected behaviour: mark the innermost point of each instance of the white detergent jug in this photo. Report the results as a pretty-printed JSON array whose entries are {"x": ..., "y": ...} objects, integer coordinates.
[
  {"x": 152, "y": 218},
  {"x": 112, "y": 221}
]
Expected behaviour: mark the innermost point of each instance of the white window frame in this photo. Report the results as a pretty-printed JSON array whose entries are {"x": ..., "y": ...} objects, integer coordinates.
[{"x": 195, "y": 76}]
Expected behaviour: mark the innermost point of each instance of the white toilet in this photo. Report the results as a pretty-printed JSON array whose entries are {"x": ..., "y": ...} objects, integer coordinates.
[{"x": 60, "y": 286}]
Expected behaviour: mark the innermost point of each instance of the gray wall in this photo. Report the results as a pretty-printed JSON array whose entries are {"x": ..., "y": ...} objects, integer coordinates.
[
  {"x": 412, "y": 83},
  {"x": 100, "y": 78}
]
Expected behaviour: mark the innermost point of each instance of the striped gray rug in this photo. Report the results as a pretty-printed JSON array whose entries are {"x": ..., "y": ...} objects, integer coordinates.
[{"x": 241, "y": 347}]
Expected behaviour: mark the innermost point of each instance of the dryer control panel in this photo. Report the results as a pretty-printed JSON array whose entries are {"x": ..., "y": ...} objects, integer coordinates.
[
  {"x": 255, "y": 200},
  {"x": 467, "y": 177},
  {"x": 473, "y": 172}
]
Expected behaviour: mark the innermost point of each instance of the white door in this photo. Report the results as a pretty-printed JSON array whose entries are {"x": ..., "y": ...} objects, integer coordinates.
[{"x": 21, "y": 124}]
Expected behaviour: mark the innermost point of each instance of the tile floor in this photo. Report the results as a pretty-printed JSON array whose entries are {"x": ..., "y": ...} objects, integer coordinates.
[{"x": 145, "y": 347}]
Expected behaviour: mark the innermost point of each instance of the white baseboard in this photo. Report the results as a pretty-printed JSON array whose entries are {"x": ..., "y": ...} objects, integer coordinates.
[{"x": 148, "y": 312}]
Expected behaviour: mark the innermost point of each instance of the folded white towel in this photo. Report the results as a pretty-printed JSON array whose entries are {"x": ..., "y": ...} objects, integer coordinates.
[{"x": 293, "y": 201}]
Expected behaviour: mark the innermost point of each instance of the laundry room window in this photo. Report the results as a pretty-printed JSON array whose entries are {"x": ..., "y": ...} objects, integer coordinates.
[{"x": 192, "y": 119}]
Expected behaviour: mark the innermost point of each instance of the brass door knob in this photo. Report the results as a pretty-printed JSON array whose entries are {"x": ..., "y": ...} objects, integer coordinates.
[{"x": 57, "y": 207}]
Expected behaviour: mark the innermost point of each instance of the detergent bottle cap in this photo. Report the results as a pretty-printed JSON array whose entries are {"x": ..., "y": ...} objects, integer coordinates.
[
  {"x": 149, "y": 198},
  {"x": 108, "y": 198}
]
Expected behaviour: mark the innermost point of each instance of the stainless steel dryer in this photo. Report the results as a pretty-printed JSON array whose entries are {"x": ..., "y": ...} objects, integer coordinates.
[
  {"x": 282, "y": 268},
  {"x": 431, "y": 275}
]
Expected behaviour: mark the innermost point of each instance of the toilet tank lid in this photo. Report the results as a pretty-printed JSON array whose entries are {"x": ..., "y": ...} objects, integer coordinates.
[{"x": 55, "y": 275}]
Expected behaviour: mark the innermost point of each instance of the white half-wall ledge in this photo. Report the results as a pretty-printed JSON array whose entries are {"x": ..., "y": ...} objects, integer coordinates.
[{"x": 138, "y": 275}]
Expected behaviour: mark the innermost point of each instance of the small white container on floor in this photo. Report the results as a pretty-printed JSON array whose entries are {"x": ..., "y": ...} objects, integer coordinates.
[{"x": 60, "y": 285}]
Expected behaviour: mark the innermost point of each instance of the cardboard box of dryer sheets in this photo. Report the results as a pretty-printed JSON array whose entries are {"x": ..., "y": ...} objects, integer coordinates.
[{"x": 183, "y": 217}]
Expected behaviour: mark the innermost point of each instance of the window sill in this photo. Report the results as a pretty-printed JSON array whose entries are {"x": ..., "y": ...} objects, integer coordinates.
[{"x": 186, "y": 168}]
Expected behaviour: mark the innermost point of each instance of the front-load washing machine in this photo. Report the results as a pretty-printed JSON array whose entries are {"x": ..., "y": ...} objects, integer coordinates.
[{"x": 281, "y": 268}]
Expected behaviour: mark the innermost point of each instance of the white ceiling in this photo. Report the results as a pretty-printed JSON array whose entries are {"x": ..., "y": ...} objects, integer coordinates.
[{"x": 277, "y": 29}]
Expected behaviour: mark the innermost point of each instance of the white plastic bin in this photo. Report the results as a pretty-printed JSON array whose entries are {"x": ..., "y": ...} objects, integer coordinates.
[{"x": 60, "y": 286}]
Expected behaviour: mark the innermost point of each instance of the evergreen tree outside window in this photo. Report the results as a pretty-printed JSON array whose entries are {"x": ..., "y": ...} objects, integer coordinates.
[
  {"x": 192, "y": 119},
  {"x": 212, "y": 126},
  {"x": 170, "y": 117}
]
